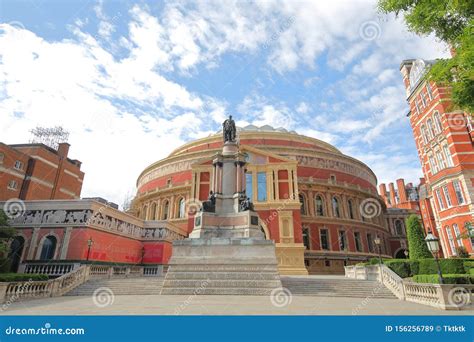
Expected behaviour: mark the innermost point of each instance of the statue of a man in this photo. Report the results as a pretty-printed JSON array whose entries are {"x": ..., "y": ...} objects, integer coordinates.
[{"x": 229, "y": 130}]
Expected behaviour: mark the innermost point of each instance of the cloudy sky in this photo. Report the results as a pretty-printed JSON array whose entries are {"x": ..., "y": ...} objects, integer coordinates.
[{"x": 131, "y": 81}]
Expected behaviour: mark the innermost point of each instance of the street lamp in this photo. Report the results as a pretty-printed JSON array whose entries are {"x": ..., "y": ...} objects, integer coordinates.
[
  {"x": 433, "y": 246},
  {"x": 89, "y": 245},
  {"x": 406, "y": 253},
  {"x": 378, "y": 242}
]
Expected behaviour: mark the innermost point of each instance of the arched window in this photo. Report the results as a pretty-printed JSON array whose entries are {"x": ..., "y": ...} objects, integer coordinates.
[
  {"x": 182, "y": 208},
  {"x": 429, "y": 123},
  {"x": 49, "y": 247},
  {"x": 438, "y": 125},
  {"x": 351, "y": 209},
  {"x": 424, "y": 134},
  {"x": 398, "y": 227},
  {"x": 153, "y": 212},
  {"x": 319, "y": 205},
  {"x": 303, "y": 205},
  {"x": 335, "y": 207},
  {"x": 166, "y": 207},
  {"x": 16, "y": 251}
]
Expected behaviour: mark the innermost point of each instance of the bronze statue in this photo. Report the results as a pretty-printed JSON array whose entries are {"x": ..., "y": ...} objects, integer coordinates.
[{"x": 229, "y": 130}]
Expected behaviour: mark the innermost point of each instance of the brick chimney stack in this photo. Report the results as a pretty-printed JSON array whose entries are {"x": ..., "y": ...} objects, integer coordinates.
[
  {"x": 383, "y": 193},
  {"x": 63, "y": 149},
  {"x": 402, "y": 193},
  {"x": 391, "y": 188}
]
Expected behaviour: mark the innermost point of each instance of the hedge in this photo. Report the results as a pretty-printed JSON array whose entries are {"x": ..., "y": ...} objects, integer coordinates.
[
  {"x": 400, "y": 267},
  {"x": 10, "y": 277},
  {"x": 416, "y": 239},
  {"x": 448, "y": 266},
  {"x": 448, "y": 278}
]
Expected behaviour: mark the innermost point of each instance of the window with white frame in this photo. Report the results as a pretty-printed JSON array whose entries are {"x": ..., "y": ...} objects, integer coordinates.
[
  {"x": 429, "y": 124},
  {"x": 12, "y": 185},
  {"x": 440, "y": 159},
  {"x": 434, "y": 167},
  {"x": 458, "y": 191},
  {"x": 2, "y": 156},
  {"x": 446, "y": 195},
  {"x": 451, "y": 240},
  {"x": 429, "y": 91},
  {"x": 423, "y": 100},
  {"x": 424, "y": 134},
  {"x": 417, "y": 107},
  {"x": 447, "y": 155},
  {"x": 457, "y": 234},
  {"x": 18, "y": 165},
  {"x": 437, "y": 121},
  {"x": 440, "y": 199},
  {"x": 342, "y": 240}
]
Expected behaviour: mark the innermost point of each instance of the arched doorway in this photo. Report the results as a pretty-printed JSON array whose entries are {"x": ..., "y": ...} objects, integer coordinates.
[
  {"x": 48, "y": 249},
  {"x": 16, "y": 250}
]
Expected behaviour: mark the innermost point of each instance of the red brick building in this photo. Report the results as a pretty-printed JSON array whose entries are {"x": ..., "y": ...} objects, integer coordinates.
[
  {"x": 444, "y": 138},
  {"x": 39, "y": 172}
]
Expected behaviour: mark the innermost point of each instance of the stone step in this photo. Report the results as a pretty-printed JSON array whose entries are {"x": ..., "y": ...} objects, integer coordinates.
[
  {"x": 219, "y": 283},
  {"x": 216, "y": 291},
  {"x": 222, "y": 268},
  {"x": 121, "y": 286},
  {"x": 224, "y": 275}
]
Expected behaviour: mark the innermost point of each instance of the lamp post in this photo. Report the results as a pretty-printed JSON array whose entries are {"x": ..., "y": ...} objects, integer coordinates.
[
  {"x": 90, "y": 242},
  {"x": 378, "y": 242},
  {"x": 406, "y": 253},
  {"x": 433, "y": 246}
]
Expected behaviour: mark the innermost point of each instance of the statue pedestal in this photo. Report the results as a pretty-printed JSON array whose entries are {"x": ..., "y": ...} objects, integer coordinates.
[{"x": 222, "y": 266}]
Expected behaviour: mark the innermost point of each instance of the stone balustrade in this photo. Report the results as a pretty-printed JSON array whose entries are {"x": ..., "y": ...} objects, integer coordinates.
[
  {"x": 14, "y": 291},
  {"x": 50, "y": 269},
  {"x": 446, "y": 296}
]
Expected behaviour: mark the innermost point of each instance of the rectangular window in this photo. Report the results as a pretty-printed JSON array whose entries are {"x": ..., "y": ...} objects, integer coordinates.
[
  {"x": 423, "y": 100},
  {"x": 458, "y": 191},
  {"x": 18, "y": 165},
  {"x": 1, "y": 157},
  {"x": 261, "y": 186},
  {"x": 446, "y": 196},
  {"x": 440, "y": 200},
  {"x": 434, "y": 167},
  {"x": 416, "y": 106},
  {"x": 12, "y": 185},
  {"x": 440, "y": 160},
  {"x": 447, "y": 154},
  {"x": 248, "y": 186},
  {"x": 342, "y": 240},
  {"x": 429, "y": 91},
  {"x": 451, "y": 240},
  {"x": 457, "y": 234},
  {"x": 370, "y": 243},
  {"x": 358, "y": 244},
  {"x": 324, "y": 237},
  {"x": 306, "y": 240}
]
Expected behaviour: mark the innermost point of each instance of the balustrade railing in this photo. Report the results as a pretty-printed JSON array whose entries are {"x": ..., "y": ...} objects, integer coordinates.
[
  {"x": 50, "y": 269},
  {"x": 447, "y": 297},
  {"x": 13, "y": 291}
]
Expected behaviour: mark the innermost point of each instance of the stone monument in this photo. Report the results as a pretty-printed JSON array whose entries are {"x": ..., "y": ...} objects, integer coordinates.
[{"x": 226, "y": 253}]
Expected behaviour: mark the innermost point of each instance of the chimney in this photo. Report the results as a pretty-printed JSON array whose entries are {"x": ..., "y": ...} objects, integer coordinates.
[
  {"x": 402, "y": 192},
  {"x": 405, "y": 68},
  {"x": 391, "y": 188},
  {"x": 383, "y": 193},
  {"x": 63, "y": 149}
]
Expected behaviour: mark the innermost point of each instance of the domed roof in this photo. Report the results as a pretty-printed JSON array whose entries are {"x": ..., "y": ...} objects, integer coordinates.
[{"x": 264, "y": 128}]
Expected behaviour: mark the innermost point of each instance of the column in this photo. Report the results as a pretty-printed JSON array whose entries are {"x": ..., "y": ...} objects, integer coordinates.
[
  {"x": 34, "y": 241},
  {"x": 277, "y": 186},
  {"x": 67, "y": 237},
  {"x": 290, "y": 185}
]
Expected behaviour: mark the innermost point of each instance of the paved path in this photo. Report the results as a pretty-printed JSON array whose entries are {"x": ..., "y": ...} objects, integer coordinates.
[{"x": 220, "y": 305}]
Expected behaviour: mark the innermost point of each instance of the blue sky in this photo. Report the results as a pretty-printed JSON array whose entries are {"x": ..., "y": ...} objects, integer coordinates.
[{"x": 131, "y": 81}]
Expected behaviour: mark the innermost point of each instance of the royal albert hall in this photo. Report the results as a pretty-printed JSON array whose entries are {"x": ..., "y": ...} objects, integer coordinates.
[{"x": 320, "y": 206}]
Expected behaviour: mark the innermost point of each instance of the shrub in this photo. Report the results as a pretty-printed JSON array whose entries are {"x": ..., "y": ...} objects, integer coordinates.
[
  {"x": 468, "y": 265},
  {"x": 448, "y": 278},
  {"x": 448, "y": 266},
  {"x": 400, "y": 267},
  {"x": 462, "y": 252},
  {"x": 10, "y": 277},
  {"x": 416, "y": 240},
  {"x": 414, "y": 267}
]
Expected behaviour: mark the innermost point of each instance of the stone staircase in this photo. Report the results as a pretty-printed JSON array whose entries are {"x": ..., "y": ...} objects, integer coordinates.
[
  {"x": 121, "y": 286},
  {"x": 221, "y": 280},
  {"x": 335, "y": 286}
]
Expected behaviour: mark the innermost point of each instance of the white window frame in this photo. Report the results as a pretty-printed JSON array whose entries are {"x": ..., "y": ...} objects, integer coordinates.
[
  {"x": 437, "y": 122},
  {"x": 452, "y": 245},
  {"x": 440, "y": 200},
  {"x": 447, "y": 155},
  {"x": 457, "y": 232},
  {"x": 429, "y": 91},
  {"x": 440, "y": 159},
  {"x": 446, "y": 196},
  {"x": 12, "y": 185},
  {"x": 458, "y": 191},
  {"x": 18, "y": 165}
]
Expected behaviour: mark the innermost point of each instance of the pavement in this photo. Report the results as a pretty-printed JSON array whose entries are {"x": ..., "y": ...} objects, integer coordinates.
[{"x": 283, "y": 304}]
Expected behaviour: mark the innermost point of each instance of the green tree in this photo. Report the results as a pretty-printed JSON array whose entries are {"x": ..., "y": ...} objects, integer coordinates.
[
  {"x": 6, "y": 233},
  {"x": 416, "y": 239},
  {"x": 452, "y": 22}
]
